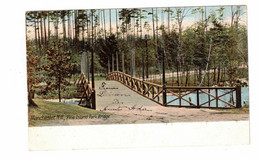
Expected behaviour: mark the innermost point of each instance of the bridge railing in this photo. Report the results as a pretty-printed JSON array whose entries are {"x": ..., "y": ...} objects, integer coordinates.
[
  {"x": 150, "y": 90},
  {"x": 191, "y": 96},
  {"x": 85, "y": 88}
]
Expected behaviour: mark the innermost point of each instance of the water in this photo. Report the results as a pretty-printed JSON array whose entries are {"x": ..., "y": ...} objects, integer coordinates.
[
  {"x": 69, "y": 101},
  {"x": 204, "y": 98}
]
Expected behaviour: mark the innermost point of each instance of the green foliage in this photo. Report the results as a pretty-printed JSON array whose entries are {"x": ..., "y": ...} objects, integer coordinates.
[
  {"x": 58, "y": 67},
  {"x": 185, "y": 48},
  {"x": 32, "y": 65},
  {"x": 106, "y": 48}
]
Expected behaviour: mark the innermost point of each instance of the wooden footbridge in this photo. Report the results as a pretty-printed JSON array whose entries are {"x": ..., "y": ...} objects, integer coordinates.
[
  {"x": 168, "y": 96},
  {"x": 192, "y": 97}
]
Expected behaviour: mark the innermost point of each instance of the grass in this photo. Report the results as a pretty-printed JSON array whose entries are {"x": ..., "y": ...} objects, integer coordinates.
[
  {"x": 244, "y": 110},
  {"x": 49, "y": 113}
]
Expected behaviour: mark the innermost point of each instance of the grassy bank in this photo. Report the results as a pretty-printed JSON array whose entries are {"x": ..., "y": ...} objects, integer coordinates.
[
  {"x": 233, "y": 111},
  {"x": 48, "y": 113}
]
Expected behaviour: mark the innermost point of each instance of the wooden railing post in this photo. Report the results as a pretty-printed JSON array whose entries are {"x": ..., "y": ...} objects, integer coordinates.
[
  {"x": 93, "y": 99},
  {"x": 216, "y": 90},
  {"x": 164, "y": 80},
  {"x": 238, "y": 97},
  {"x": 179, "y": 93},
  {"x": 198, "y": 98}
]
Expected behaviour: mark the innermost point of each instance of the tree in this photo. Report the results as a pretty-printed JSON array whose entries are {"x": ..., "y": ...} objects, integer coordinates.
[
  {"x": 32, "y": 71},
  {"x": 180, "y": 15},
  {"x": 58, "y": 67}
]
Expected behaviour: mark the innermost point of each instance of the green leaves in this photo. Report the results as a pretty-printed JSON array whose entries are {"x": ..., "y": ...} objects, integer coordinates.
[{"x": 58, "y": 67}]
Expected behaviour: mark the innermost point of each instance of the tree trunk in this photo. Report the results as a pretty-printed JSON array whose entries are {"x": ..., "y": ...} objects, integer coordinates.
[
  {"x": 117, "y": 67},
  {"x": 41, "y": 29},
  {"x": 104, "y": 17},
  {"x": 123, "y": 62},
  {"x": 39, "y": 38},
  {"x": 110, "y": 28},
  {"x": 113, "y": 63},
  {"x": 194, "y": 76},
  {"x": 64, "y": 27},
  {"x": 49, "y": 30},
  {"x": 35, "y": 34},
  {"x": 132, "y": 61},
  {"x": 69, "y": 28},
  {"x": 31, "y": 103},
  {"x": 45, "y": 33},
  {"x": 59, "y": 91},
  {"x": 153, "y": 25},
  {"x": 187, "y": 77},
  {"x": 199, "y": 74},
  {"x": 76, "y": 30},
  {"x": 57, "y": 26},
  {"x": 218, "y": 77},
  {"x": 108, "y": 65},
  {"x": 169, "y": 29},
  {"x": 72, "y": 41},
  {"x": 214, "y": 73},
  {"x": 83, "y": 35},
  {"x": 116, "y": 25},
  {"x": 141, "y": 27},
  {"x": 177, "y": 68}
]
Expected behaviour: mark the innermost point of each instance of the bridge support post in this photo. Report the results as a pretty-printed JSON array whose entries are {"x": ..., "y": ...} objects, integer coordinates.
[
  {"x": 238, "y": 97},
  {"x": 93, "y": 99},
  {"x": 93, "y": 93},
  {"x": 198, "y": 98},
  {"x": 164, "y": 81},
  {"x": 143, "y": 72},
  {"x": 147, "y": 63}
]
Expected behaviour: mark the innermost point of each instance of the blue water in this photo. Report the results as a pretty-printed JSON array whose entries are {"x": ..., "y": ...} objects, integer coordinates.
[
  {"x": 204, "y": 98},
  {"x": 73, "y": 102}
]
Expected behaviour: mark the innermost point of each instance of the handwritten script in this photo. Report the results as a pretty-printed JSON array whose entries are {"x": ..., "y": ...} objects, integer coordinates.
[{"x": 128, "y": 108}]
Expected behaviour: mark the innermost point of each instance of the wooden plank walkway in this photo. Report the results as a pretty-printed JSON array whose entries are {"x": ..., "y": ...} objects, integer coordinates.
[{"x": 113, "y": 93}]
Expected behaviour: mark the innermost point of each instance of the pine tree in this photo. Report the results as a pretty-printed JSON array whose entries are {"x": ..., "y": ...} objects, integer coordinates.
[{"x": 58, "y": 68}]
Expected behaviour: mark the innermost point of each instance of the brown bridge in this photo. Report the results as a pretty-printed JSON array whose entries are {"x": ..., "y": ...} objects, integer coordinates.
[
  {"x": 162, "y": 94},
  {"x": 165, "y": 95},
  {"x": 88, "y": 97}
]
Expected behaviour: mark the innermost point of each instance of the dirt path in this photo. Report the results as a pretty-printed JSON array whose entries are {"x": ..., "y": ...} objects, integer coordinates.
[
  {"x": 174, "y": 74},
  {"x": 158, "y": 115}
]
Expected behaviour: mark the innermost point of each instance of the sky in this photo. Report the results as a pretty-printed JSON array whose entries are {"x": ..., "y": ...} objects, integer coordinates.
[{"x": 188, "y": 21}]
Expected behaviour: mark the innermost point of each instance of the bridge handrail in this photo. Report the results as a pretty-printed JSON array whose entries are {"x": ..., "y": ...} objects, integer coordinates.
[
  {"x": 197, "y": 87},
  {"x": 150, "y": 83},
  {"x": 158, "y": 93}
]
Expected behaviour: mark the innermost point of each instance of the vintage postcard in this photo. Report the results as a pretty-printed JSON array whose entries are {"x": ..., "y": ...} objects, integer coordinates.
[{"x": 133, "y": 66}]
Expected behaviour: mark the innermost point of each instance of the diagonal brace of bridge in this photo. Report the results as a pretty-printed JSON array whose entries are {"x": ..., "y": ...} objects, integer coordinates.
[{"x": 163, "y": 94}]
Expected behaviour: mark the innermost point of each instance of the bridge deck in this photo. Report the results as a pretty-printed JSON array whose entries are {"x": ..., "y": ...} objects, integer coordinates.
[{"x": 113, "y": 93}]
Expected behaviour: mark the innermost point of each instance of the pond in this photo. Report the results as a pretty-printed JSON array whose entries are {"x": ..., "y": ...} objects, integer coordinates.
[
  {"x": 70, "y": 101},
  {"x": 204, "y": 98}
]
